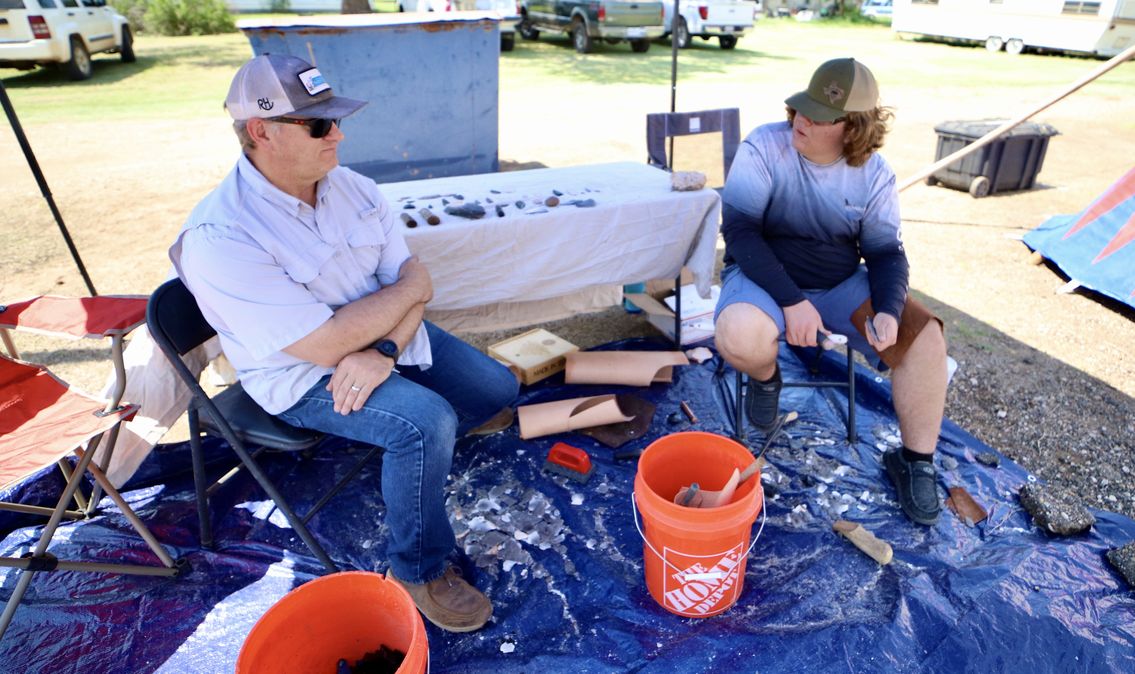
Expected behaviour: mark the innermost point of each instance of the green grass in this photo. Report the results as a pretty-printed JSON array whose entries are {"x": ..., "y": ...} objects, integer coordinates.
[
  {"x": 186, "y": 77},
  {"x": 174, "y": 77}
]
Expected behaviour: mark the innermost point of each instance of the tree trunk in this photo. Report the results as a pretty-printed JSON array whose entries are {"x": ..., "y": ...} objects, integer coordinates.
[{"x": 356, "y": 7}]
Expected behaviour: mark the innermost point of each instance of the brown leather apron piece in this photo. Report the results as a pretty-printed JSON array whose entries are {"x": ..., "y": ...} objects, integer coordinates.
[{"x": 914, "y": 317}]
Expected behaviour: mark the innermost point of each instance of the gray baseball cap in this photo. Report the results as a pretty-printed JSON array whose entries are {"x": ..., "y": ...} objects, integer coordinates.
[
  {"x": 838, "y": 87},
  {"x": 274, "y": 85}
]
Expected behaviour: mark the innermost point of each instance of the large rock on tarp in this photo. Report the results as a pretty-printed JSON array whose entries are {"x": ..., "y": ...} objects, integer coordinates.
[{"x": 1056, "y": 509}]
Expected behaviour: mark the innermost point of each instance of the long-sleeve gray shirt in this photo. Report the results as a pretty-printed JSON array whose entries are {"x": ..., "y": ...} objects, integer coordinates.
[{"x": 794, "y": 225}]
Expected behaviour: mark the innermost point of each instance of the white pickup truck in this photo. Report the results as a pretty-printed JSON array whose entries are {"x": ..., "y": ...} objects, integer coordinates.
[
  {"x": 726, "y": 20},
  {"x": 507, "y": 11},
  {"x": 39, "y": 32},
  {"x": 505, "y": 8}
]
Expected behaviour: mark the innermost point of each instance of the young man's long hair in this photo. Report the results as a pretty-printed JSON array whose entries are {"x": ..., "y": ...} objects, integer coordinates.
[{"x": 863, "y": 133}]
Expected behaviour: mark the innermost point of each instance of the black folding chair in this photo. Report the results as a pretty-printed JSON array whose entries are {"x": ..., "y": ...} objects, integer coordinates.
[
  {"x": 663, "y": 127},
  {"x": 814, "y": 371},
  {"x": 177, "y": 326}
]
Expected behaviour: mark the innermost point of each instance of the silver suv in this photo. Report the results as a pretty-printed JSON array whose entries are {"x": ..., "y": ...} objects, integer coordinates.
[{"x": 39, "y": 32}]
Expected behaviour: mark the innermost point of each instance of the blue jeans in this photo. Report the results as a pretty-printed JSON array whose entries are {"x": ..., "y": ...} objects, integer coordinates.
[{"x": 415, "y": 416}]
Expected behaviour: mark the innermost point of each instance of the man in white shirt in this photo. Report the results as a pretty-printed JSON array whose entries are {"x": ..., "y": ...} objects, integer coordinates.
[{"x": 297, "y": 264}]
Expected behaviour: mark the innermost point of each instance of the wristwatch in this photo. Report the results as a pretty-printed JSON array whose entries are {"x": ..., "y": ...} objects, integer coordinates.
[{"x": 388, "y": 348}]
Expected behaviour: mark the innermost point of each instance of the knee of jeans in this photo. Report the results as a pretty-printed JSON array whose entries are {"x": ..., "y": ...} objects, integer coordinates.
[
  {"x": 499, "y": 390},
  {"x": 444, "y": 427},
  {"x": 433, "y": 423}
]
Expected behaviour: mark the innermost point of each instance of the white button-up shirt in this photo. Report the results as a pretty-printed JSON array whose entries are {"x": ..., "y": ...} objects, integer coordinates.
[{"x": 267, "y": 269}]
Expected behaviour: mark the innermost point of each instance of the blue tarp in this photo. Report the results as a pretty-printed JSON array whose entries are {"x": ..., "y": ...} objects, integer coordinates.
[
  {"x": 563, "y": 562},
  {"x": 1093, "y": 246}
]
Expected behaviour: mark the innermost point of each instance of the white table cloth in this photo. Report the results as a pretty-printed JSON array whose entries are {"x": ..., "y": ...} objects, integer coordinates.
[{"x": 638, "y": 229}]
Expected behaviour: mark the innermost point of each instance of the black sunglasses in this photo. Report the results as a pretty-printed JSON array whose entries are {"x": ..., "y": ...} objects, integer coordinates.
[{"x": 319, "y": 128}]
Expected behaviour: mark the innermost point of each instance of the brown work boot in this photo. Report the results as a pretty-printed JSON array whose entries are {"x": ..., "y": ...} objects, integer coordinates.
[
  {"x": 449, "y": 602},
  {"x": 500, "y": 421}
]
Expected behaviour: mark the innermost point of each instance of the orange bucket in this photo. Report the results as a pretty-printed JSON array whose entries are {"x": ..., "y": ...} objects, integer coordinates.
[
  {"x": 694, "y": 558},
  {"x": 343, "y": 615}
]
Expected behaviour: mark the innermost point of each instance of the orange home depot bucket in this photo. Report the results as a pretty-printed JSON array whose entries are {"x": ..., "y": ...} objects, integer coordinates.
[
  {"x": 694, "y": 558},
  {"x": 343, "y": 615}
]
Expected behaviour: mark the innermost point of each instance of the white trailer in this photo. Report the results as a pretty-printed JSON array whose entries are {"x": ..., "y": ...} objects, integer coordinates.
[{"x": 1099, "y": 27}]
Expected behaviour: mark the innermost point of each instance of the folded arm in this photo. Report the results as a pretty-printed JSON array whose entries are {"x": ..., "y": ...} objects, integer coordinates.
[{"x": 359, "y": 324}]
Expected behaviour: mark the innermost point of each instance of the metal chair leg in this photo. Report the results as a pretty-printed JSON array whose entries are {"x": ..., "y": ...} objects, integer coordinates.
[
  {"x": 738, "y": 415},
  {"x": 851, "y": 434},
  {"x": 204, "y": 521}
]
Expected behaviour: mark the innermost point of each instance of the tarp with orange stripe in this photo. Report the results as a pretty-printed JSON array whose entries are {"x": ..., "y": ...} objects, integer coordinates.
[{"x": 1094, "y": 246}]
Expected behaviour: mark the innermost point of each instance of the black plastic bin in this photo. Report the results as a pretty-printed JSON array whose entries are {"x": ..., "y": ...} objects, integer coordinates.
[{"x": 1011, "y": 162}]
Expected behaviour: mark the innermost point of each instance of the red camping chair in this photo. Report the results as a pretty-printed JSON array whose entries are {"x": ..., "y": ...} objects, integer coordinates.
[{"x": 44, "y": 422}]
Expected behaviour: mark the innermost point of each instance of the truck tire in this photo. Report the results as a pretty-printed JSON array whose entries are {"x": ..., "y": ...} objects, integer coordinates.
[
  {"x": 727, "y": 41},
  {"x": 126, "y": 51},
  {"x": 508, "y": 42},
  {"x": 640, "y": 46},
  {"x": 79, "y": 66},
  {"x": 683, "y": 34},
  {"x": 994, "y": 43},
  {"x": 579, "y": 37},
  {"x": 527, "y": 32},
  {"x": 1014, "y": 46},
  {"x": 979, "y": 187}
]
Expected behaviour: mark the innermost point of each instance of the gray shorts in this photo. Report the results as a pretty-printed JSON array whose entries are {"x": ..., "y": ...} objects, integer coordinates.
[{"x": 835, "y": 306}]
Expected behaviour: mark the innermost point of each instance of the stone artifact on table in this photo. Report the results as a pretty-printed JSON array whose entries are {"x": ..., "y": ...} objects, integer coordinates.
[{"x": 687, "y": 181}]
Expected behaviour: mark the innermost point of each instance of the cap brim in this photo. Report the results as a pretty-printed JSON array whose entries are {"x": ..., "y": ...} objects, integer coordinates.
[
  {"x": 336, "y": 107},
  {"x": 812, "y": 109}
]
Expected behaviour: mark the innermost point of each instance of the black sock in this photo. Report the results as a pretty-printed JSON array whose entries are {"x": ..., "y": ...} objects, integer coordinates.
[{"x": 911, "y": 455}]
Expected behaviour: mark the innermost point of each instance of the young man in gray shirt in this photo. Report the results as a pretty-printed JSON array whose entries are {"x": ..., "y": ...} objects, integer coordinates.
[{"x": 811, "y": 227}]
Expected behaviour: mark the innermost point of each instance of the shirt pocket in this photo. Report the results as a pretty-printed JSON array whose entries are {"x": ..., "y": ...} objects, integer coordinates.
[
  {"x": 303, "y": 260},
  {"x": 853, "y": 215},
  {"x": 366, "y": 239}
]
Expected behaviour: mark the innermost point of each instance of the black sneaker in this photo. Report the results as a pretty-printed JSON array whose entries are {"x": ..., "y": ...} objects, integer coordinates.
[
  {"x": 762, "y": 401},
  {"x": 917, "y": 485}
]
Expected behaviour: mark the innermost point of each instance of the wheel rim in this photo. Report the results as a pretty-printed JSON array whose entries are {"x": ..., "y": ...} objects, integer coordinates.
[
  {"x": 683, "y": 34},
  {"x": 580, "y": 37},
  {"x": 1014, "y": 46},
  {"x": 82, "y": 61}
]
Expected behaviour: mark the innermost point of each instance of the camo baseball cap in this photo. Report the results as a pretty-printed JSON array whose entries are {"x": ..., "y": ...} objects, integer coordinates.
[
  {"x": 275, "y": 85},
  {"x": 838, "y": 87}
]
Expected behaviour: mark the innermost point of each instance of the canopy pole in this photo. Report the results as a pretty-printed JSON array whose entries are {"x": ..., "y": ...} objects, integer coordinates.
[
  {"x": 673, "y": 77},
  {"x": 43, "y": 188}
]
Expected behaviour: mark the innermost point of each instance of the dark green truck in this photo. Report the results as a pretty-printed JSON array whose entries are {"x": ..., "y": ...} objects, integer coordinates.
[{"x": 588, "y": 21}]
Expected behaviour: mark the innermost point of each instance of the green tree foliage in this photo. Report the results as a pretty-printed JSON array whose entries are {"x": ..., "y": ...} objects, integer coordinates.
[
  {"x": 134, "y": 11},
  {"x": 177, "y": 17}
]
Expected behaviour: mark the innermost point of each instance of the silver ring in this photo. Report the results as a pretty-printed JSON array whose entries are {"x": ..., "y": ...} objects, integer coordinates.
[{"x": 356, "y": 388}]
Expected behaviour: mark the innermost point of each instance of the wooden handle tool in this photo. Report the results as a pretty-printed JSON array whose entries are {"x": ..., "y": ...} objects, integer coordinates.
[
  {"x": 878, "y": 550},
  {"x": 428, "y": 216},
  {"x": 410, "y": 222}
]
